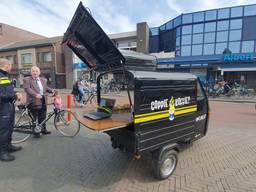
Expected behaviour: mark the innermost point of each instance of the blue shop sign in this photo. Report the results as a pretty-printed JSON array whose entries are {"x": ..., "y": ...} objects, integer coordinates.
[
  {"x": 79, "y": 66},
  {"x": 238, "y": 57}
]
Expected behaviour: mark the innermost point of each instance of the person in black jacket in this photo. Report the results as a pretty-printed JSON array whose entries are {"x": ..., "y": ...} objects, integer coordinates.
[{"x": 7, "y": 111}]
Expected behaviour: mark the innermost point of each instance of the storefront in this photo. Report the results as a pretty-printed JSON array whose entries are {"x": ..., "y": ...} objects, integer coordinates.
[{"x": 233, "y": 67}]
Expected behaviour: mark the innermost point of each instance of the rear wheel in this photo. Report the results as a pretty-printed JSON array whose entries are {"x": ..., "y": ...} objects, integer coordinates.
[
  {"x": 164, "y": 164},
  {"x": 66, "y": 123},
  {"x": 22, "y": 128}
]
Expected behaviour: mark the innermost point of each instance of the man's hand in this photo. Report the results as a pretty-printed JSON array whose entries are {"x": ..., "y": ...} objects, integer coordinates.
[
  {"x": 39, "y": 96},
  {"x": 19, "y": 96}
]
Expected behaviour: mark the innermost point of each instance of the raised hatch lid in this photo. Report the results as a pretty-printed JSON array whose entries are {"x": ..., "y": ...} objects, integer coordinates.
[{"x": 90, "y": 43}]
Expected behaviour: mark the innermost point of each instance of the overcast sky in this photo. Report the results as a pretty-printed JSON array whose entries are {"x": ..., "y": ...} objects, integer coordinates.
[{"x": 51, "y": 17}]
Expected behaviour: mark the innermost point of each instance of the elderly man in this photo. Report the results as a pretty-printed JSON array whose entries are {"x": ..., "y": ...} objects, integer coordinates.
[
  {"x": 7, "y": 111},
  {"x": 36, "y": 88}
]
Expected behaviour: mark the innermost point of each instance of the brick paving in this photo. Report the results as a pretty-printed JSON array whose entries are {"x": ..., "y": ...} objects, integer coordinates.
[{"x": 224, "y": 160}]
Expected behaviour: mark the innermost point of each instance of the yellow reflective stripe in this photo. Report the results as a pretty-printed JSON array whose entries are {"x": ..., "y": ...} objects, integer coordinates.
[
  {"x": 105, "y": 109},
  {"x": 182, "y": 111},
  {"x": 164, "y": 111},
  {"x": 4, "y": 81},
  {"x": 185, "y": 111}
]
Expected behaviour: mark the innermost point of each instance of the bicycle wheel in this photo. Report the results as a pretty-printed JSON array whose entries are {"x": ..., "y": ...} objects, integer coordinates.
[
  {"x": 22, "y": 129},
  {"x": 66, "y": 123}
]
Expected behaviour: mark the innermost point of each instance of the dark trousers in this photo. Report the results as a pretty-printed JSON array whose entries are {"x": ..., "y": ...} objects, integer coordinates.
[
  {"x": 7, "y": 115},
  {"x": 39, "y": 113}
]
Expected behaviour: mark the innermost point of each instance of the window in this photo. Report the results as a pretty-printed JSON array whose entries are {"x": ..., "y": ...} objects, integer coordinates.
[
  {"x": 236, "y": 24},
  {"x": 45, "y": 57},
  {"x": 247, "y": 46},
  {"x": 209, "y": 27},
  {"x": 12, "y": 59},
  {"x": 234, "y": 47},
  {"x": 222, "y": 25},
  {"x": 199, "y": 92},
  {"x": 222, "y": 36},
  {"x": 26, "y": 58},
  {"x": 162, "y": 28},
  {"x": 186, "y": 29},
  {"x": 250, "y": 10},
  {"x": 154, "y": 31},
  {"x": 169, "y": 25},
  {"x": 197, "y": 17},
  {"x": 220, "y": 47},
  {"x": 235, "y": 35},
  {"x": 177, "y": 21},
  {"x": 187, "y": 18},
  {"x": 178, "y": 31},
  {"x": 197, "y": 38},
  {"x": 237, "y": 12},
  {"x": 197, "y": 49},
  {"x": 209, "y": 37},
  {"x": 186, "y": 40},
  {"x": 198, "y": 28},
  {"x": 185, "y": 50},
  {"x": 223, "y": 13},
  {"x": 210, "y": 15},
  {"x": 178, "y": 41},
  {"x": 209, "y": 49}
]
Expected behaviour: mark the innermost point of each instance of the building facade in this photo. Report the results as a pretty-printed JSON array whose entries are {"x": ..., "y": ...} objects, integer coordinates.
[
  {"x": 47, "y": 54},
  {"x": 209, "y": 43}
]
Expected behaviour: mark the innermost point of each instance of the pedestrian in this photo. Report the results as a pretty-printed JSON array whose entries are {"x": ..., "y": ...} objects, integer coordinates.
[
  {"x": 36, "y": 89},
  {"x": 7, "y": 112}
]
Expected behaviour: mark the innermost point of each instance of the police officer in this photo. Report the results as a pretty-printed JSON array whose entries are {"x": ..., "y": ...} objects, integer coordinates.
[{"x": 7, "y": 112}]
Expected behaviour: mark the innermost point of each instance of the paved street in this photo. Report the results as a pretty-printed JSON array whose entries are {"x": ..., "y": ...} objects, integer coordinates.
[{"x": 224, "y": 160}]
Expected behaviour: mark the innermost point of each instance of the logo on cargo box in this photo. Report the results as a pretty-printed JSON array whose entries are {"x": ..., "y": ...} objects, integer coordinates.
[{"x": 171, "y": 109}]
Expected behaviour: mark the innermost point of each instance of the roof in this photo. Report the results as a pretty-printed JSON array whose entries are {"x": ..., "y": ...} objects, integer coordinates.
[
  {"x": 30, "y": 44},
  {"x": 123, "y": 35},
  {"x": 143, "y": 75}
]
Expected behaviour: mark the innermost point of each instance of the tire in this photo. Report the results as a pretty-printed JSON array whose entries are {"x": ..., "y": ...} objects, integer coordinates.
[
  {"x": 164, "y": 164},
  {"x": 22, "y": 129},
  {"x": 65, "y": 127}
]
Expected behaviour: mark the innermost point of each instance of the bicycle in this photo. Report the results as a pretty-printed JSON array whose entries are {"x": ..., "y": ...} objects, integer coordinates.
[
  {"x": 90, "y": 96},
  {"x": 25, "y": 125}
]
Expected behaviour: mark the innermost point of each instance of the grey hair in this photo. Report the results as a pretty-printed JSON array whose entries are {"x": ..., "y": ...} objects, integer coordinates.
[
  {"x": 34, "y": 67},
  {"x": 4, "y": 62}
]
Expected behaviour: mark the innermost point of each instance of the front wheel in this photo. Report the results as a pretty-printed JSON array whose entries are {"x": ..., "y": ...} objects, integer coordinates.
[
  {"x": 22, "y": 129},
  {"x": 164, "y": 164},
  {"x": 66, "y": 123}
]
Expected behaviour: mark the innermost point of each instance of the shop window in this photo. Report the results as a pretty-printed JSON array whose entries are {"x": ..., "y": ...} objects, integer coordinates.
[
  {"x": 186, "y": 29},
  {"x": 237, "y": 12},
  {"x": 236, "y": 24},
  {"x": 223, "y": 13}
]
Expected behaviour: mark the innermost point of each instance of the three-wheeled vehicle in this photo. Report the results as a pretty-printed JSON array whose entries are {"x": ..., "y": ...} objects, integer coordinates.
[{"x": 157, "y": 111}]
